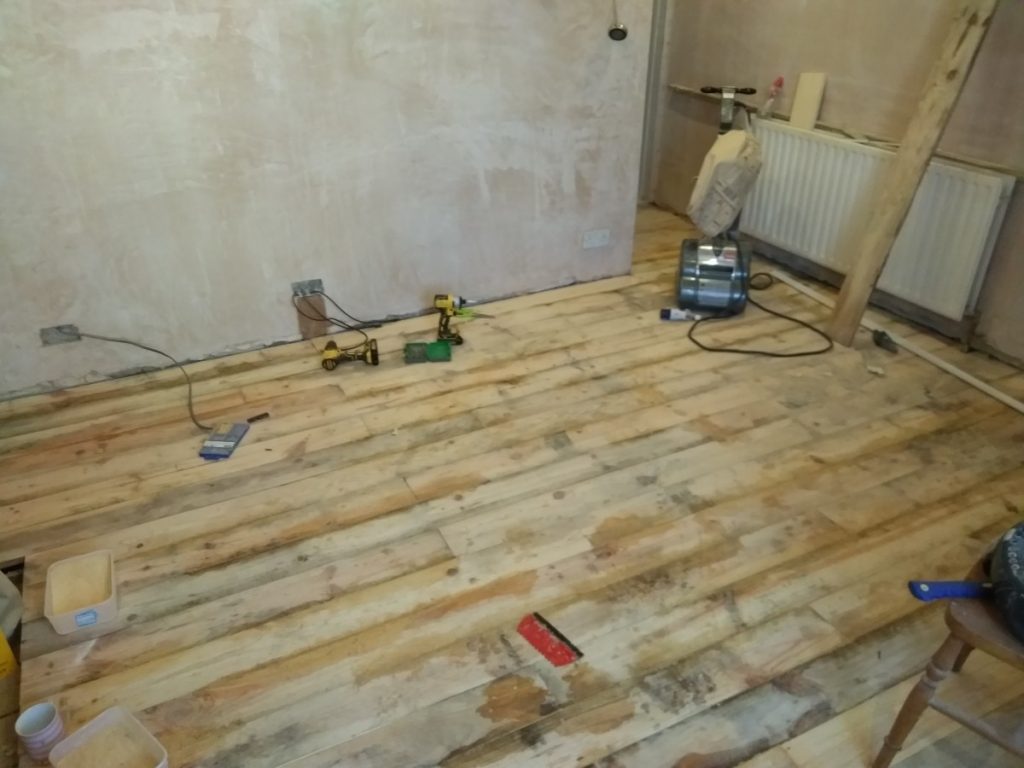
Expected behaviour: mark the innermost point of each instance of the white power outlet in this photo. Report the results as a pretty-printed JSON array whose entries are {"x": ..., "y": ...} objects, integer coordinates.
[{"x": 596, "y": 238}]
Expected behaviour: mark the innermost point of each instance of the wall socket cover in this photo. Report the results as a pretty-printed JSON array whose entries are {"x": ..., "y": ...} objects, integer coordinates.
[
  {"x": 307, "y": 287},
  {"x": 59, "y": 334},
  {"x": 597, "y": 238}
]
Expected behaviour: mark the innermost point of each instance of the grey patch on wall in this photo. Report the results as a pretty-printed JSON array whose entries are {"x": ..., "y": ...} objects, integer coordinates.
[{"x": 95, "y": 376}]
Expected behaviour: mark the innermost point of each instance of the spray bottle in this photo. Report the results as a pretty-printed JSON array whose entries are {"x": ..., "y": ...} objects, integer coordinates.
[
  {"x": 671, "y": 313},
  {"x": 766, "y": 109}
]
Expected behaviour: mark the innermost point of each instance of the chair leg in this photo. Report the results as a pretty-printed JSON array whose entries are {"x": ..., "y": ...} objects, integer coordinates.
[
  {"x": 938, "y": 668},
  {"x": 962, "y": 658}
]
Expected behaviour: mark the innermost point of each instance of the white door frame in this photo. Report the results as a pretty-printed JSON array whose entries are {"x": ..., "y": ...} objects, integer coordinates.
[{"x": 660, "y": 19}]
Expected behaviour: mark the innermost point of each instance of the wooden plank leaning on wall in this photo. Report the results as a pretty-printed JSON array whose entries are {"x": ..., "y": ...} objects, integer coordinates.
[{"x": 904, "y": 175}]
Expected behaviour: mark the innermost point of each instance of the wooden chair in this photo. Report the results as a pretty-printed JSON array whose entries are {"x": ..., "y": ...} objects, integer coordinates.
[{"x": 973, "y": 625}]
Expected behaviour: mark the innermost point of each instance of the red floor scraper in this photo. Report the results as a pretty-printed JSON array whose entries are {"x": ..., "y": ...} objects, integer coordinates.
[{"x": 549, "y": 642}]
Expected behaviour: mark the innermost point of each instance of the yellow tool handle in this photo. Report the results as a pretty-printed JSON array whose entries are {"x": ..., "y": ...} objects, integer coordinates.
[{"x": 7, "y": 663}]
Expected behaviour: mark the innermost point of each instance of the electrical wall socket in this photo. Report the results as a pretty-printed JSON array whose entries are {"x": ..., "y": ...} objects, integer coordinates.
[
  {"x": 59, "y": 334},
  {"x": 596, "y": 238},
  {"x": 307, "y": 287}
]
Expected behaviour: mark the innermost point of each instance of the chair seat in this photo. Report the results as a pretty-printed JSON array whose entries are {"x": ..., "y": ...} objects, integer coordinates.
[{"x": 978, "y": 623}]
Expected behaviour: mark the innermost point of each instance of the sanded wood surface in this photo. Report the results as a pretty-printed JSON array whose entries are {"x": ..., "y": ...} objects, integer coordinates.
[{"x": 726, "y": 538}]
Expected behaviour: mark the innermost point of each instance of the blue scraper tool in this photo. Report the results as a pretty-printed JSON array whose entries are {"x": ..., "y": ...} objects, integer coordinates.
[{"x": 223, "y": 440}]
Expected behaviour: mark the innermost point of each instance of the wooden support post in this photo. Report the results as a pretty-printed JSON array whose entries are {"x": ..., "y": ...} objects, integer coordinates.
[{"x": 904, "y": 174}]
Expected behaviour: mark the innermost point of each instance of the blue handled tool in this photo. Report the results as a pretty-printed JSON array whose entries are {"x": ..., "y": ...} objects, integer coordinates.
[
  {"x": 926, "y": 591},
  {"x": 223, "y": 440},
  {"x": 1003, "y": 588}
]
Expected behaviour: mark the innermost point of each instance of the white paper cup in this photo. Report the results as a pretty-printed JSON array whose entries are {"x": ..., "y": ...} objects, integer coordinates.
[{"x": 39, "y": 728}]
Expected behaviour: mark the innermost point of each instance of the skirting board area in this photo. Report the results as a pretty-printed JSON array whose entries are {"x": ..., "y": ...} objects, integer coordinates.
[{"x": 962, "y": 332}]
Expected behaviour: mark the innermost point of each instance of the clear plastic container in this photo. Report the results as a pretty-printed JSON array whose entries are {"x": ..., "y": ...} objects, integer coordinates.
[
  {"x": 115, "y": 739},
  {"x": 10, "y": 606},
  {"x": 81, "y": 592}
]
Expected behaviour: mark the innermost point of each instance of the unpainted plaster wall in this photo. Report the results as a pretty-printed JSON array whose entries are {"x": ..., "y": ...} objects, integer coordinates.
[
  {"x": 169, "y": 167},
  {"x": 877, "y": 54}
]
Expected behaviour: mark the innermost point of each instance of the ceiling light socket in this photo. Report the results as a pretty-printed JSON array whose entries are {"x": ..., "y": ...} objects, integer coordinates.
[{"x": 617, "y": 31}]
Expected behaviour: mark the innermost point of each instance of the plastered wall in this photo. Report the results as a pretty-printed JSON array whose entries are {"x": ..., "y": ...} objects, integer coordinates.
[
  {"x": 169, "y": 167},
  {"x": 877, "y": 54}
]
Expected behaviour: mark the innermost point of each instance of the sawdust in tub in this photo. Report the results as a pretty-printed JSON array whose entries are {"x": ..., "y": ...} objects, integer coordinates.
[
  {"x": 81, "y": 582},
  {"x": 116, "y": 746}
]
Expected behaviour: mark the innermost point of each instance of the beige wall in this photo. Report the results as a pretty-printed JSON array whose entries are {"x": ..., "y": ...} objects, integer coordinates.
[
  {"x": 169, "y": 167},
  {"x": 877, "y": 54}
]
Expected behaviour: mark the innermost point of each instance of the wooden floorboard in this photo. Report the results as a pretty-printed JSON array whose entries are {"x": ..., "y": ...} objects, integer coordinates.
[{"x": 725, "y": 537}]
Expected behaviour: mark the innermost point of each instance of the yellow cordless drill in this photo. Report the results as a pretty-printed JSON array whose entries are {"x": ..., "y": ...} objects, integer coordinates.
[
  {"x": 333, "y": 354},
  {"x": 448, "y": 306}
]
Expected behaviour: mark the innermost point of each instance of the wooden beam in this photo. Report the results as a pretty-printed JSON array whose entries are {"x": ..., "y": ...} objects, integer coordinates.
[{"x": 904, "y": 175}]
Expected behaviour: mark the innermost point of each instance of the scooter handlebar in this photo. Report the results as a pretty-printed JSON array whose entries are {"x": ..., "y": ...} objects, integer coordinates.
[{"x": 716, "y": 89}]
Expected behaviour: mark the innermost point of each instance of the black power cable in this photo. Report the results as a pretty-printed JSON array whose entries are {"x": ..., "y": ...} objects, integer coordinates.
[
  {"x": 356, "y": 326},
  {"x": 323, "y": 318},
  {"x": 353, "y": 318},
  {"x": 188, "y": 379},
  {"x": 345, "y": 326},
  {"x": 763, "y": 352}
]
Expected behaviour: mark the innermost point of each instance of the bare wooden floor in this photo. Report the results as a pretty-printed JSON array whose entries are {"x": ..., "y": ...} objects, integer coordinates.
[{"x": 726, "y": 538}]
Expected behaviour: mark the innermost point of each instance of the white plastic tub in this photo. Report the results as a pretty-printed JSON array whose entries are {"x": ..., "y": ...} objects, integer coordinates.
[
  {"x": 40, "y": 728},
  {"x": 81, "y": 592},
  {"x": 115, "y": 739}
]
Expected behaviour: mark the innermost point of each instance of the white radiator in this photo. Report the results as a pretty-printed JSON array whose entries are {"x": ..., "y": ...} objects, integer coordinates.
[{"x": 814, "y": 192}]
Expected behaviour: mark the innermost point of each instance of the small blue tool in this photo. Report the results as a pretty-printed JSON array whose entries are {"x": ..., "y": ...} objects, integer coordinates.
[
  {"x": 926, "y": 591},
  {"x": 223, "y": 440}
]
